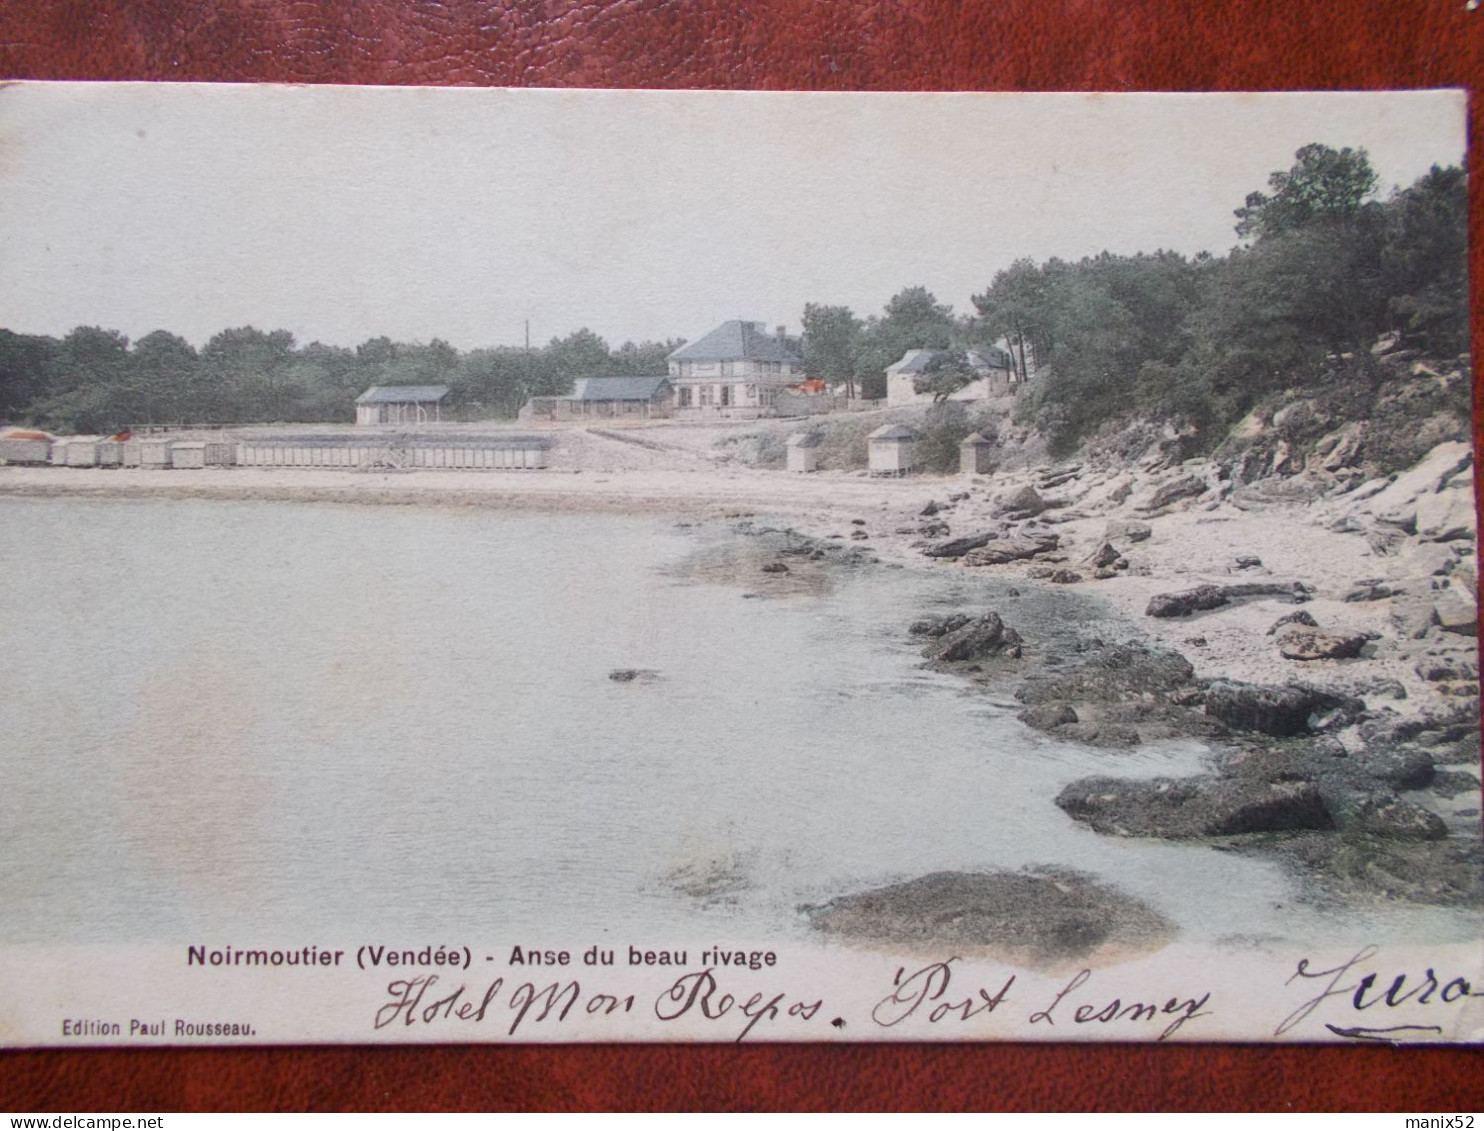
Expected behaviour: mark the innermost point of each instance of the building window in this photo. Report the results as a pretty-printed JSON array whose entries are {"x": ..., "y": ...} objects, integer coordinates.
[
  {"x": 684, "y": 396},
  {"x": 726, "y": 395}
]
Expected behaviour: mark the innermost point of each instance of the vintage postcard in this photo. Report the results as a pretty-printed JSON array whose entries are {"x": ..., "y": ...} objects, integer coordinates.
[{"x": 519, "y": 565}]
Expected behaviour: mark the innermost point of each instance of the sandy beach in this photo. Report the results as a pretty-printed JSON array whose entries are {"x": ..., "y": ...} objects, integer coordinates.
[{"x": 1327, "y": 540}]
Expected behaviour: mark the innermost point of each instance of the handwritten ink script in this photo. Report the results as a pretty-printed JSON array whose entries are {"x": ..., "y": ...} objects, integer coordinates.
[
  {"x": 1367, "y": 985},
  {"x": 927, "y": 995}
]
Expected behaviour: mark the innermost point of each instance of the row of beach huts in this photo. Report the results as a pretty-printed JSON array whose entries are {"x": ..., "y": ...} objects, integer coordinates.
[
  {"x": 891, "y": 450},
  {"x": 457, "y": 452}
]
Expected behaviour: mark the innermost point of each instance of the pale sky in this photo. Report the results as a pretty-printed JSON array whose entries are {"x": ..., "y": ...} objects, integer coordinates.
[{"x": 343, "y": 213}]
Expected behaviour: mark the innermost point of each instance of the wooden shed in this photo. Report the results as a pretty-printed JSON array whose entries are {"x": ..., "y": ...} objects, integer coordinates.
[
  {"x": 190, "y": 453},
  {"x": 82, "y": 451},
  {"x": 975, "y": 455},
  {"x": 20, "y": 445},
  {"x": 803, "y": 451},
  {"x": 221, "y": 453},
  {"x": 401, "y": 404},
  {"x": 891, "y": 449},
  {"x": 155, "y": 453}
]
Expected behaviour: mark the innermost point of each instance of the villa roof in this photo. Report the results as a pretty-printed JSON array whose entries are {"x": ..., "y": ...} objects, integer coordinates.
[
  {"x": 736, "y": 341},
  {"x": 980, "y": 357},
  {"x": 403, "y": 394},
  {"x": 913, "y": 361},
  {"x": 618, "y": 388}
]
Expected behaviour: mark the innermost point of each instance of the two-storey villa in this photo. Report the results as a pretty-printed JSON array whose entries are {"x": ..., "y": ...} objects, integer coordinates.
[{"x": 736, "y": 370}]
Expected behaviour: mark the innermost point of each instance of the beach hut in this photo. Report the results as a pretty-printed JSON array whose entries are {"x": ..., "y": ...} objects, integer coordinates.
[
  {"x": 82, "y": 451},
  {"x": 155, "y": 453},
  {"x": 975, "y": 455},
  {"x": 220, "y": 453},
  {"x": 191, "y": 453},
  {"x": 890, "y": 449},
  {"x": 803, "y": 451},
  {"x": 110, "y": 453},
  {"x": 21, "y": 445}
]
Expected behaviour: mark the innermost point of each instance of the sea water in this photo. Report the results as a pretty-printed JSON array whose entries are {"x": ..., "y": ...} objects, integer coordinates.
[{"x": 253, "y": 721}]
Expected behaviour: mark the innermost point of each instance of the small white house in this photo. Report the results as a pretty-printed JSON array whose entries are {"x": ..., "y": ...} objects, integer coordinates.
[
  {"x": 994, "y": 374},
  {"x": 891, "y": 449},
  {"x": 803, "y": 451}
]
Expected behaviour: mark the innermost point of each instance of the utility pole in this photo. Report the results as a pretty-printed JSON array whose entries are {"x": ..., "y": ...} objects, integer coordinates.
[{"x": 528, "y": 335}]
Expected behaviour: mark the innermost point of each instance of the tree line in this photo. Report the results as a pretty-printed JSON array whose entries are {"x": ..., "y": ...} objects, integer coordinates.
[
  {"x": 1324, "y": 269},
  {"x": 96, "y": 380}
]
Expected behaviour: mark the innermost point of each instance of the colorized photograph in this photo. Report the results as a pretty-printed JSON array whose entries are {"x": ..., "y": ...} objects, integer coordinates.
[{"x": 592, "y": 565}]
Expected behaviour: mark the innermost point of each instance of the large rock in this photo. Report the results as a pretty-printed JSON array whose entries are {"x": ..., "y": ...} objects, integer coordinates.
[
  {"x": 1127, "y": 530},
  {"x": 1047, "y": 716},
  {"x": 1187, "y": 601},
  {"x": 1431, "y": 559},
  {"x": 1186, "y": 487},
  {"x": 939, "y": 626},
  {"x": 1456, "y": 612},
  {"x": 1047, "y": 913},
  {"x": 1203, "y": 597},
  {"x": 1011, "y": 550},
  {"x": 1024, "y": 503},
  {"x": 1400, "y": 768},
  {"x": 1280, "y": 711},
  {"x": 960, "y": 546},
  {"x": 1440, "y": 669},
  {"x": 1107, "y": 735},
  {"x": 1299, "y": 617},
  {"x": 1112, "y": 675},
  {"x": 1311, "y": 644},
  {"x": 1386, "y": 815},
  {"x": 1447, "y": 515},
  {"x": 981, "y": 637},
  {"x": 1193, "y": 807}
]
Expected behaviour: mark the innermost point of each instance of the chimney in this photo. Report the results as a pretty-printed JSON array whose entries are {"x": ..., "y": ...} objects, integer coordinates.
[{"x": 782, "y": 335}]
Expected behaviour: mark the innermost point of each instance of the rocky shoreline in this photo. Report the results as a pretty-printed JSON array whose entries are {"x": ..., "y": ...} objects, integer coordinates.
[{"x": 1359, "y": 776}]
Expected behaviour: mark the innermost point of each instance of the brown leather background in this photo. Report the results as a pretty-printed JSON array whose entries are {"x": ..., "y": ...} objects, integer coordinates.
[{"x": 987, "y": 45}]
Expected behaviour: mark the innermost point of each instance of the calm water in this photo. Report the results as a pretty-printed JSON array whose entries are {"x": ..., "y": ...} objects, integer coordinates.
[{"x": 266, "y": 721}]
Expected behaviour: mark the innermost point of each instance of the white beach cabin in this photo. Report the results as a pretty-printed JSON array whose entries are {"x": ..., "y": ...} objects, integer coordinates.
[
  {"x": 803, "y": 451},
  {"x": 191, "y": 453},
  {"x": 975, "y": 455},
  {"x": 891, "y": 449}
]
